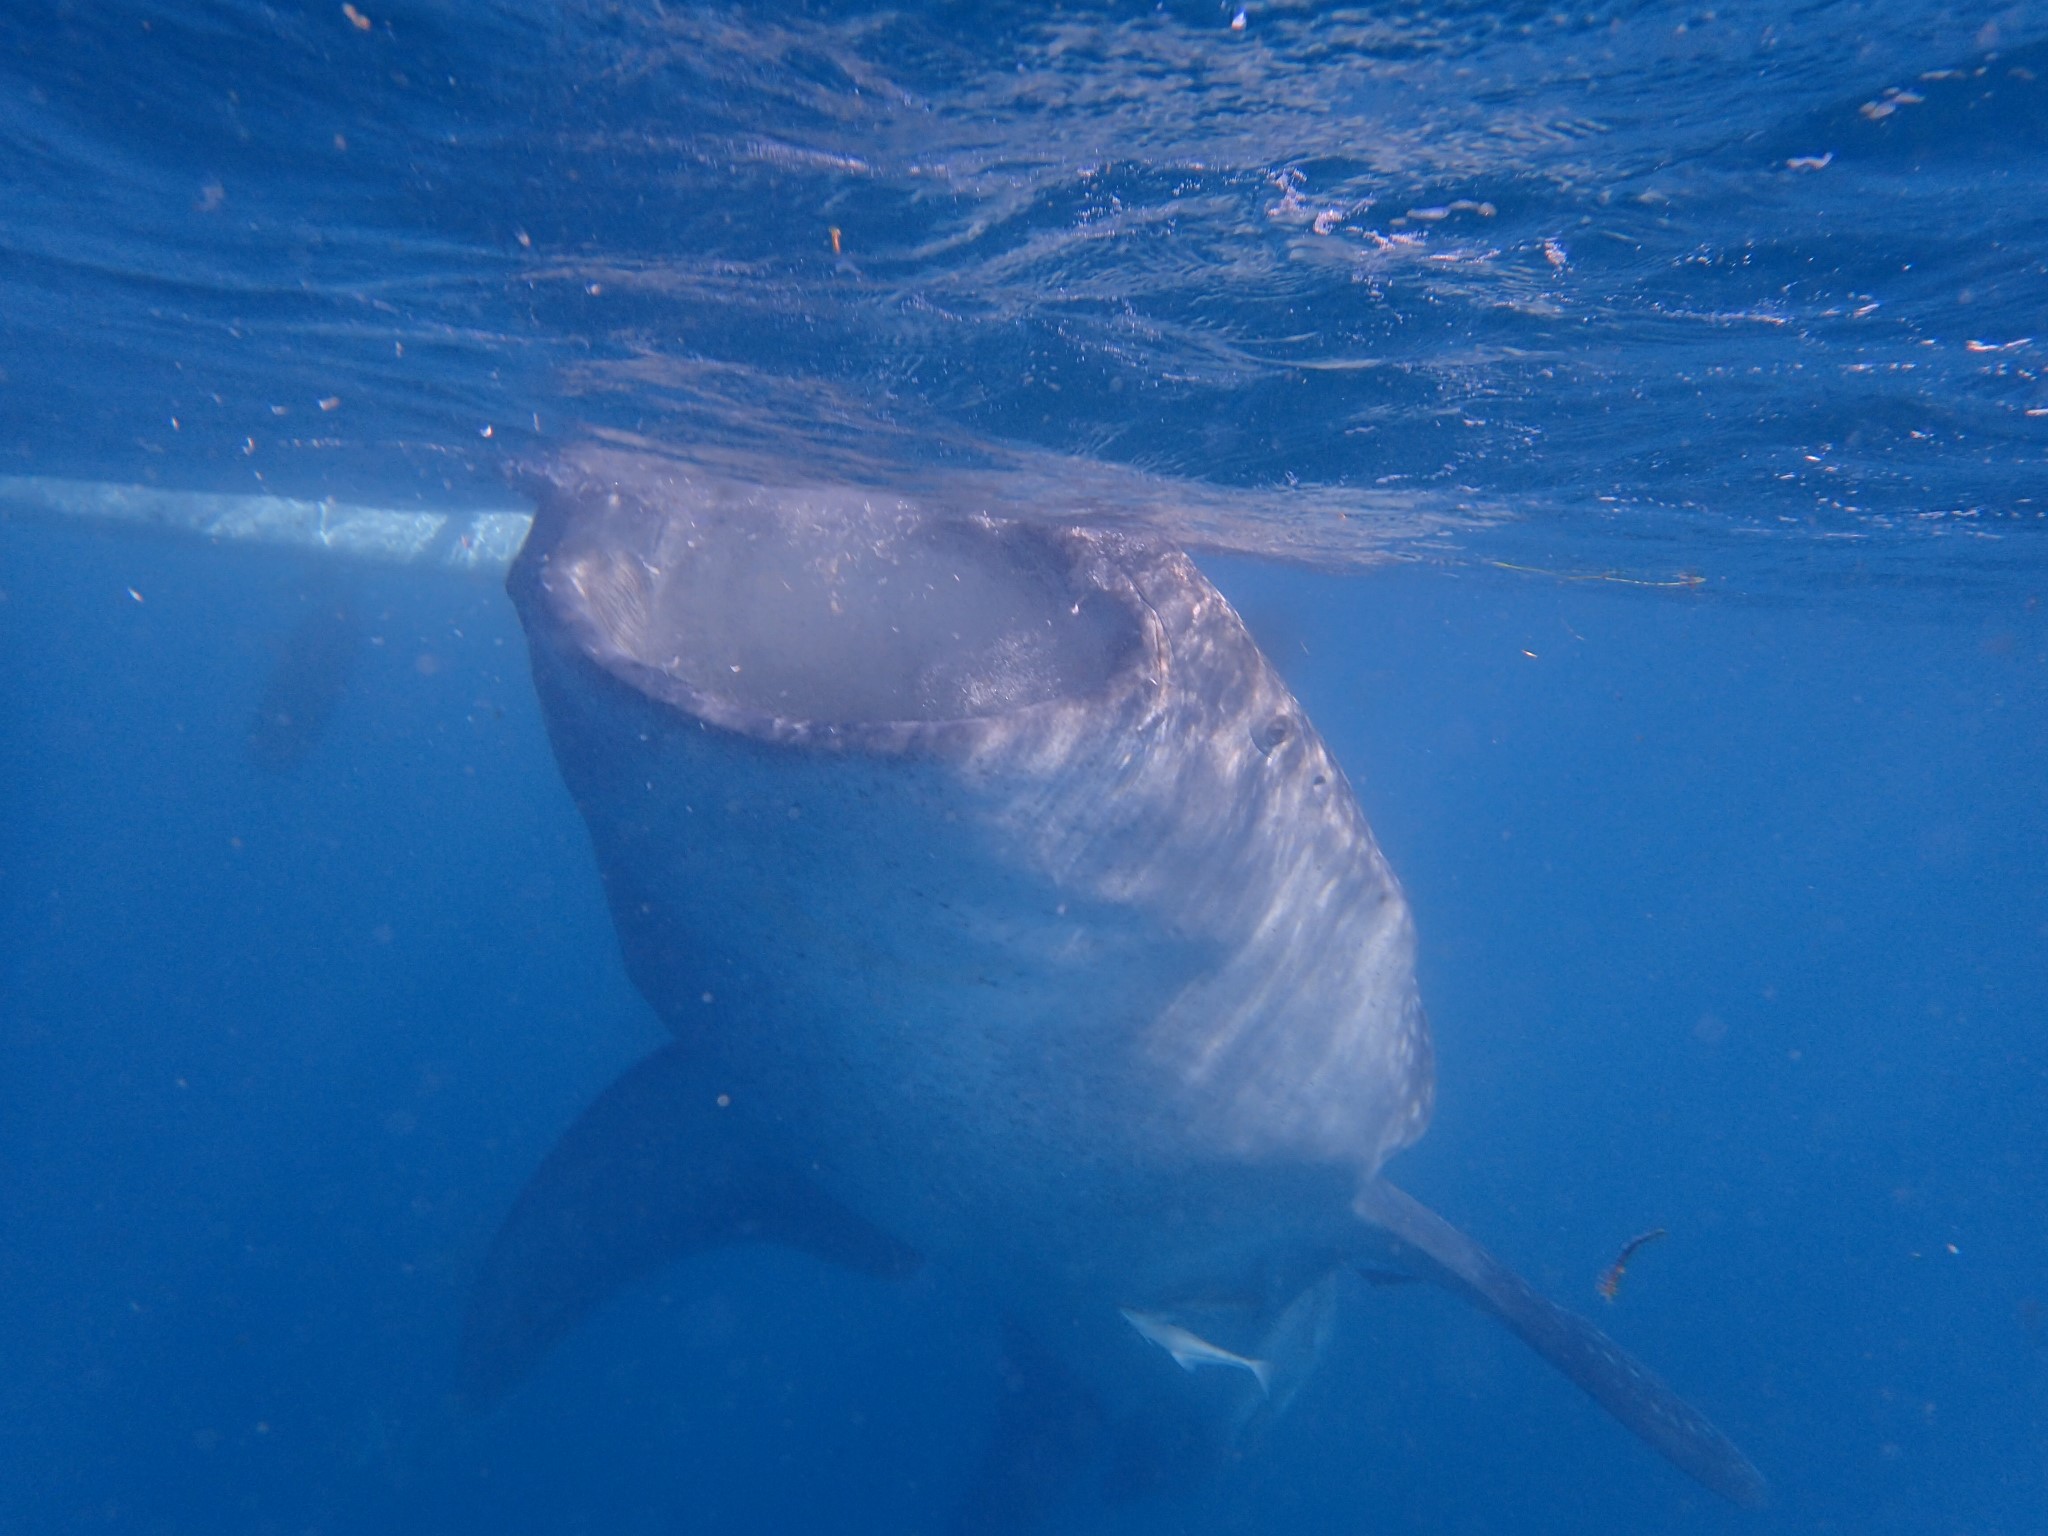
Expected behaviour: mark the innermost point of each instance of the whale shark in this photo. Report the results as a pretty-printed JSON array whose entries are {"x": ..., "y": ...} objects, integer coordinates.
[{"x": 1008, "y": 916}]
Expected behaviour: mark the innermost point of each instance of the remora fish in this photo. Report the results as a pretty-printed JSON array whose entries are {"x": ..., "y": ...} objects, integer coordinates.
[
  {"x": 1190, "y": 1351},
  {"x": 1007, "y": 912}
]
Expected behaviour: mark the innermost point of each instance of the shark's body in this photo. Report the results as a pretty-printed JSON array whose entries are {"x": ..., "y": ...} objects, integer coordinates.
[{"x": 1007, "y": 912}]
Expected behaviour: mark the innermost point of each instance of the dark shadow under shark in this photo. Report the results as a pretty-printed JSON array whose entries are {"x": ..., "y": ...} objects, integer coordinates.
[{"x": 1008, "y": 913}]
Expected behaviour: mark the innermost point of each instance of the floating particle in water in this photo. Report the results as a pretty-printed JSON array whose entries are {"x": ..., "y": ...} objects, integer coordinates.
[{"x": 1609, "y": 1282}]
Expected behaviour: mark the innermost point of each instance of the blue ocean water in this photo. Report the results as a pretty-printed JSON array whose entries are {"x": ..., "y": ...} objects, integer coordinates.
[{"x": 1623, "y": 426}]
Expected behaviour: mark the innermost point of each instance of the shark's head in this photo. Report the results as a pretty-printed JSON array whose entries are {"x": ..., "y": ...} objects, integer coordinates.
[{"x": 781, "y": 610}]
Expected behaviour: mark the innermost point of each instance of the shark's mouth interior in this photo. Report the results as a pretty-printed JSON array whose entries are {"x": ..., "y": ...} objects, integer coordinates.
[{"x": 842, "y": 616}]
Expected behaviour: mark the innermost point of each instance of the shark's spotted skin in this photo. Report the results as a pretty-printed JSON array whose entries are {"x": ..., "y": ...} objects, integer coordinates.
[{"x": 988, "y": 874}]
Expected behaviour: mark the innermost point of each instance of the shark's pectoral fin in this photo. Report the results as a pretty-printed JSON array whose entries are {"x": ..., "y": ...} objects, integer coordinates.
[
  {"x": 1618, "y": 1383},
  {"x": 1294, "y": 1345},
  {"x": 652, "y": 1171}
]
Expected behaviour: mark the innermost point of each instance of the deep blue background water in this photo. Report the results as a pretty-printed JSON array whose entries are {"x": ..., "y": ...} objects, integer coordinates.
[{"x": 1730, "y": 893}]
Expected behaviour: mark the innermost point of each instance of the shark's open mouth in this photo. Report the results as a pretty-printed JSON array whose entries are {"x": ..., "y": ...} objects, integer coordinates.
[
  {"x": 837, "y": 619},
  {"x": 831, "y": 608}
]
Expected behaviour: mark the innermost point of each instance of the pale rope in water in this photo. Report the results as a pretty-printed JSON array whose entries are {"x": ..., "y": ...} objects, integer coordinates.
[{"x": 482, "y": 542}]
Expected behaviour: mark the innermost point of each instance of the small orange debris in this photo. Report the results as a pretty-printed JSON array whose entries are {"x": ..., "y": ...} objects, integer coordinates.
[
  {"x": 356, "y": 17},
  {"x": 835, "y": 239}
]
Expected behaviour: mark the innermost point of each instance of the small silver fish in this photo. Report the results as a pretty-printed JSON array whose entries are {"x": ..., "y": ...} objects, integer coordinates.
[{"x": 1190, "y": 1351}]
